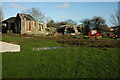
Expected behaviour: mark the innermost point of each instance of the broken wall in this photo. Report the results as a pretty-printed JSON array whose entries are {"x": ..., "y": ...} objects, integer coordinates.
[
  {"x": 32, "y": 27},
  {"x": 29, "y": 27}
]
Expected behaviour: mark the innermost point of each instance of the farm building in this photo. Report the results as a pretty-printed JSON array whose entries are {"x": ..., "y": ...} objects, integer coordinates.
[
  {"x": 24, "y": 24},
  {"x": 8, "y": 25}
]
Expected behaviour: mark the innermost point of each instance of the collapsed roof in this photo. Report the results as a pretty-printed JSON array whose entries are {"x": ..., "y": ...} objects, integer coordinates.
[
  {"x": 25, "y": 17},
  {"x": 22, "y": 17}
]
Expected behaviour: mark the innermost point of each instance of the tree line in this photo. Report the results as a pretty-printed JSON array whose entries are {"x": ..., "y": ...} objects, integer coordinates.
[{"x": 97, "y": 22}]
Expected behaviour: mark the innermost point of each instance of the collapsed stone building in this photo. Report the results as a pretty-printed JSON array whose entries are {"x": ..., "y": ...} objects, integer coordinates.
[
  {"x": 72, "y": 30},
  {"x": 24, "y": 24}
]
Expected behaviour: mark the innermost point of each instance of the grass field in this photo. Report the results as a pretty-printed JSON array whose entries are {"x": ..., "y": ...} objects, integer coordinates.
[{"x": 68, "y": 62}]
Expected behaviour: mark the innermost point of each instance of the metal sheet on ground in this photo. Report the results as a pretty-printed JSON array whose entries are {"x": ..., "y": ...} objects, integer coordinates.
[{"x": 8, "y": 47}]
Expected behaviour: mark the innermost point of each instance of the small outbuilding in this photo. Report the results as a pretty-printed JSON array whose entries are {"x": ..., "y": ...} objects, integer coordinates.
[{"x": 8, "y": 25}]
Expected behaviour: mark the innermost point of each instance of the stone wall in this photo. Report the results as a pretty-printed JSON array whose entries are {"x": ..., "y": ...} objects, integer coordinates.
[
  {"x": 32, "y": 27},
  {"x": 29, "y": 27}
]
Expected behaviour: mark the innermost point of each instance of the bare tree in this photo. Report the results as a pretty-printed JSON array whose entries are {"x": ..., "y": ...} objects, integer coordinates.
[
  {"x": 115, "y": 19},
  {"x": 98, "y": 22},
  {"x": 1, "y": 18},
  {"x": 47, "y": 19},
  {"x": 1, "y": 14},
  {"x": 119, "y": 19},
  {"x": 35, "y": 13}
]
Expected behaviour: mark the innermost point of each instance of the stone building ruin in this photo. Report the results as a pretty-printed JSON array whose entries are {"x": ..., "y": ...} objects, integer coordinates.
[{"x": 24, "y": 24}]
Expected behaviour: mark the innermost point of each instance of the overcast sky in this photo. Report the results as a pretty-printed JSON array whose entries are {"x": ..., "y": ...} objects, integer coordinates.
[{"x": 60, "y": 11}]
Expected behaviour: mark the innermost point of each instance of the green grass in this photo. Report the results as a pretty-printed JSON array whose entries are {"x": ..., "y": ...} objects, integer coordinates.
[{"x": 69, "y": 62}]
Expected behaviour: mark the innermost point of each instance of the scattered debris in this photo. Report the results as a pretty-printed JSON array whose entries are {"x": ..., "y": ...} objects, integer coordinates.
[
  {"x": 94, "y": 34},
  {"x": 45, "y": 48}
]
